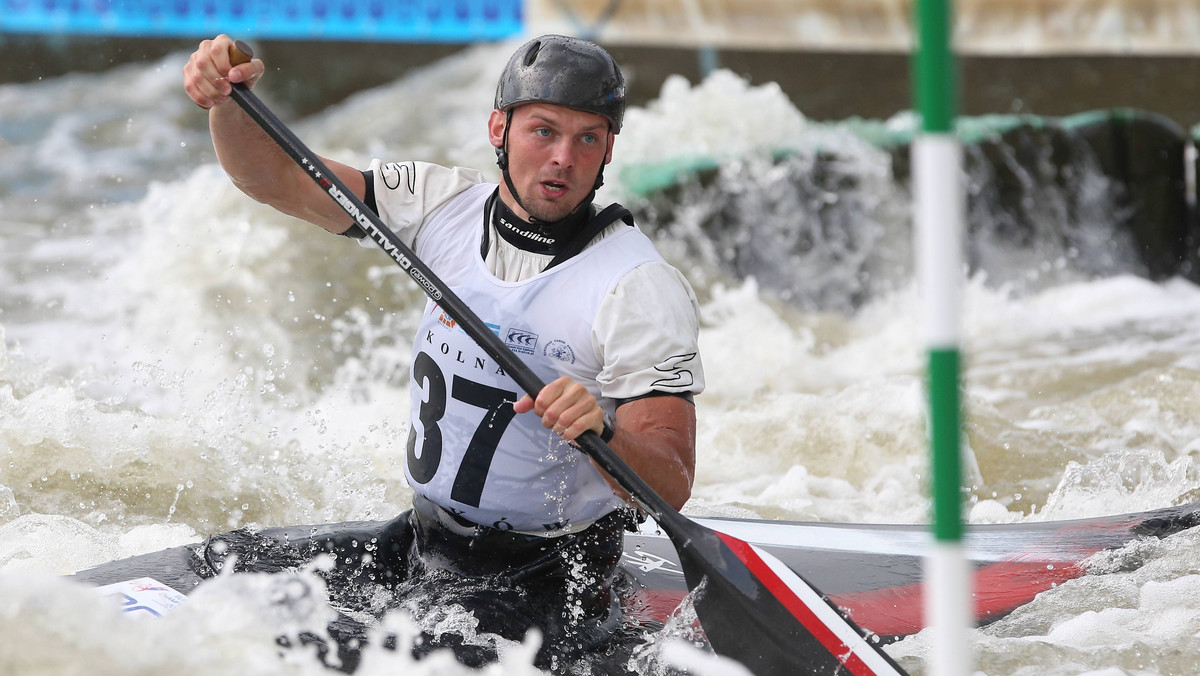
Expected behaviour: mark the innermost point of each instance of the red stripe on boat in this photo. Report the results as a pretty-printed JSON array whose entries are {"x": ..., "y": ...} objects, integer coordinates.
[{"x": 837, "y": 648}]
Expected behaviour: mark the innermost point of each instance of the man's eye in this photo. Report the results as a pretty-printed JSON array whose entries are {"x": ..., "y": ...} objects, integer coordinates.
[
  {"x": 589, "y": 138},
  {"x": 542, "y": 132}
]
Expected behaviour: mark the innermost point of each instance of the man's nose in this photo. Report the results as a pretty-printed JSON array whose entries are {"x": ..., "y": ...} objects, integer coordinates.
[{"x": 563, "y": 153}]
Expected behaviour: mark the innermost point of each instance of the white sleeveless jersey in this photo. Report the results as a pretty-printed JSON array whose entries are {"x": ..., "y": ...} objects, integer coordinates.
[
  {"x": 467, "y": 450},
  {"x": 647, "y": 327}
]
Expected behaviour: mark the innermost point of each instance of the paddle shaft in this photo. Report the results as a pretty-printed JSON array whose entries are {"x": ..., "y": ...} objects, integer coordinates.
[{"x": 365, "y": 218}]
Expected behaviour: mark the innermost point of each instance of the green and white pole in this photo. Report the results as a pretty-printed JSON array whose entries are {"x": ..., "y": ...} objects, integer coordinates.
[{"x": 939, "y": 216}]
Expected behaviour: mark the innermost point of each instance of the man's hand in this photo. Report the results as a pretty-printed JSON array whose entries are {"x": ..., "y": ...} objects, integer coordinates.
[
  {"x": 656, "y": 436},
  {"x": 209, "y": 75},
  {"x": 566, "y": 407}
]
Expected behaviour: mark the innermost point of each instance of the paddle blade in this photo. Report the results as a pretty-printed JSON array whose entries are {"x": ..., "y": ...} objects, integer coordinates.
[{"x": 755, "y": 610}]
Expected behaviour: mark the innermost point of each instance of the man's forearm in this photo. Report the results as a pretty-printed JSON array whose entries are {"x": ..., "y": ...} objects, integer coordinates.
[{"x": 251, "y": 158}]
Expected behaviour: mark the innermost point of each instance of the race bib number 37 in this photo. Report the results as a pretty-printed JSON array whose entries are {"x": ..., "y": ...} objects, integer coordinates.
[{"x": 495, "y": 412}]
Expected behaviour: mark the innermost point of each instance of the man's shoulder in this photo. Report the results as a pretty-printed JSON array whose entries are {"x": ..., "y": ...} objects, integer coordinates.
[
  {"x": 648, "y": 331},
  {"x": 407, "y": 193},
  {"x": 626, "y": 235},
  {"x": 658, "y": 278},
  {"x": 413, "y": 177}
]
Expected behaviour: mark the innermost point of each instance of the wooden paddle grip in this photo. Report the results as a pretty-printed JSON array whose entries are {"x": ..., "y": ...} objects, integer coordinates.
[{"x": 240, "y": 53}]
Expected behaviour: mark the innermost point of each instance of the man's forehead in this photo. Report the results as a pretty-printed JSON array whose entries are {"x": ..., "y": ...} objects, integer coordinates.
[{"x": 550, "y": 112}]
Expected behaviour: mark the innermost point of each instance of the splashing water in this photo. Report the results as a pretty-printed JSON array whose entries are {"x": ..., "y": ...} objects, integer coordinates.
[{"x": 178, "y": 360}]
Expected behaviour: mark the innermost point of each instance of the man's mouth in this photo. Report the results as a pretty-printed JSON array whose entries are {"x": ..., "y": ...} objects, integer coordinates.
[{"x": 554, "y": 188}]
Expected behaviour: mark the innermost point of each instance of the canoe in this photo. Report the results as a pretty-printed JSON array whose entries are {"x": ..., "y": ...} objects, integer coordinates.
[{"x": 871, "y": 571}]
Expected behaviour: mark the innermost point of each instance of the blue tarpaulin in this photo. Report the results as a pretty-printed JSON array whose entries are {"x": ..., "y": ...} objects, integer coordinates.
[{"x": 392, "y": 20}]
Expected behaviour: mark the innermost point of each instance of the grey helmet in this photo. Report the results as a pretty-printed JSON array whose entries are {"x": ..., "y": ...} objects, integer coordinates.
[{"x": 564, "y": 71}]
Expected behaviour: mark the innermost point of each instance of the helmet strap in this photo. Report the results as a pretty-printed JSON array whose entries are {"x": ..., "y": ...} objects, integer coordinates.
[{"x": 502, "y": 162}]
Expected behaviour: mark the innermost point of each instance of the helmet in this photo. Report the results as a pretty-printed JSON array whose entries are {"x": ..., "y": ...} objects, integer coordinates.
[{"x": 567, "y": 72}]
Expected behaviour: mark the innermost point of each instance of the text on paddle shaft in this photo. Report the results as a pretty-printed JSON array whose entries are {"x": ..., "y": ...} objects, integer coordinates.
[{"x": 368, "y": 224}]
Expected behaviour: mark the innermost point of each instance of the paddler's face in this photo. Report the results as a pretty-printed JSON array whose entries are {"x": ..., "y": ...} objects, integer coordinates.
[{"x": 554, "y": 154}]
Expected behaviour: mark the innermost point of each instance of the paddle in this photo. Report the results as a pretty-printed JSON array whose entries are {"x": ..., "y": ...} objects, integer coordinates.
[{"x": 752, "y": 607}]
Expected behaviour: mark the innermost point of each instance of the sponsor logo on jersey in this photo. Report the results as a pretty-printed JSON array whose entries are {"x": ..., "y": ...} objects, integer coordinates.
[
  {"x": 519, "y": 340},
  {"x": 560, "y": 350}
]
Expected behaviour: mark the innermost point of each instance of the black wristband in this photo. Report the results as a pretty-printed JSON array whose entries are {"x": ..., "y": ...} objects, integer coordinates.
[{"x": 609, "y": 431}]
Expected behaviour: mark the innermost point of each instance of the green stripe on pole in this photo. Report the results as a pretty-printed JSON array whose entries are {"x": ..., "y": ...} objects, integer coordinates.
[
  {"x": 934, "y": 79},
  {"x": 944, "y": 438}
]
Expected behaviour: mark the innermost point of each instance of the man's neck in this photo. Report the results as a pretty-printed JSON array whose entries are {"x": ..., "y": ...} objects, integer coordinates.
[{"x": 541, "y": 238}]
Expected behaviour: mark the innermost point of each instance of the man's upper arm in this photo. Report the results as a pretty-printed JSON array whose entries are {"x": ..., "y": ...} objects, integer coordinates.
[
  {"x": 656, "y": 436},
  {"x": 405, "y": 194},
  {"x": 672, "y": 416}
]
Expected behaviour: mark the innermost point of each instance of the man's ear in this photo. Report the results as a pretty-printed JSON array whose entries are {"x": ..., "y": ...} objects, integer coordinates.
[
  {"x": 612, "y": 138},
  {"x": 496, "y": 122}
]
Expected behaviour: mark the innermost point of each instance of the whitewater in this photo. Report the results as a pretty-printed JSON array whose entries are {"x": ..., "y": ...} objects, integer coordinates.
[{"x": 177, "y": 360}]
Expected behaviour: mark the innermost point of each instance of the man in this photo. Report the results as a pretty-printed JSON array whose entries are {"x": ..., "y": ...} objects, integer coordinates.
[{"x": 502, "y": 504}]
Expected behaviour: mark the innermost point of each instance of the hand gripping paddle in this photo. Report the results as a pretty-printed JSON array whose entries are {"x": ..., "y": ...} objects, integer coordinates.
[{"x": 752, "y": 607}]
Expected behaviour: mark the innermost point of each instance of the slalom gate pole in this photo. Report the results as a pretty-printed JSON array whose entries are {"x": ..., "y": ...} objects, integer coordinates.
[{"x": 938, "y": 212}]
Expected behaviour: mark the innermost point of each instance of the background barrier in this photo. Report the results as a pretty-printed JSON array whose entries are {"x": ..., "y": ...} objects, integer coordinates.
[
  {"x": 377, "y": 20},
  {"x": 1049, "y": 200}
]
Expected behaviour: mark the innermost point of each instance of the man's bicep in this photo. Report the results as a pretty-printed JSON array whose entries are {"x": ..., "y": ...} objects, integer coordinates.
[
  {"x": 665, "y": 412},
  {"x": 668, "y": 423}
]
